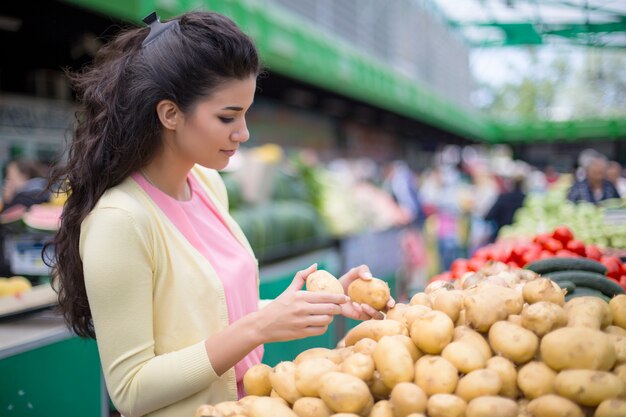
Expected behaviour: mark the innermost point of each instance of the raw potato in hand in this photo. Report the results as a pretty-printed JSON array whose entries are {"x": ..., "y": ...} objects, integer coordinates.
[
  {"x": 323, "y": 281},
  {"x": 374, "y": 292}
]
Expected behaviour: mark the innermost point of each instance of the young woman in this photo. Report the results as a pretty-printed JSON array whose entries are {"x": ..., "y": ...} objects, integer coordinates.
[{"x": 148, "y": 259}]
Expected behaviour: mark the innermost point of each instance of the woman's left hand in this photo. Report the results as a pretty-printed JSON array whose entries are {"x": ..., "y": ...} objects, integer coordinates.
[{"x": 354, "y": 310}]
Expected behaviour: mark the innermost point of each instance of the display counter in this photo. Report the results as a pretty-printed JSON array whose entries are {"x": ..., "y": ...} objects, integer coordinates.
[{"x": 46, "y": 370}]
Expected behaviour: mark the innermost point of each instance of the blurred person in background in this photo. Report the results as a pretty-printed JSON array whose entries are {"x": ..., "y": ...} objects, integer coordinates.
[
  {"x": 509, "y": 200},
  {"x": 614, "y": 174},
  {"x": 148, "y": 259},
  {"x": 25, "y": 184},
  {"x": 595, "y": 187}
]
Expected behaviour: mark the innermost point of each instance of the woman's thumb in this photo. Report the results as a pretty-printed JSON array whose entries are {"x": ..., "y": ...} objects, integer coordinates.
[{"x": 300, "y": 278}]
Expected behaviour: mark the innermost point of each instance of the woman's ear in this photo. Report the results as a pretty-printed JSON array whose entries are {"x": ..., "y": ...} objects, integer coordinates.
[{"x": 168, "y": 113}]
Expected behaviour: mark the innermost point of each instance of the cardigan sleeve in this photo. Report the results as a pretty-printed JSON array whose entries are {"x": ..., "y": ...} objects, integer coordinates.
[{"x": 118, "y": 270}]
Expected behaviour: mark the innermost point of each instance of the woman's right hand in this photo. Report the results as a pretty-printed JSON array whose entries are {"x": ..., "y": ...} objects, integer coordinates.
[{"x": 297, "y": 314}]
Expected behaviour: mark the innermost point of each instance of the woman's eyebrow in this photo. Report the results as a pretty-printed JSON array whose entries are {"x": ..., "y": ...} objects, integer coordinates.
[{"x": 235, "y": 108}]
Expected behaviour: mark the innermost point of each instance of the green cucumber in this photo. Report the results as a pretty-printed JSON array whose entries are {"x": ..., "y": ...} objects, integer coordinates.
[
  {"x": 586, "y": 292},
  {"x": 544, "y": 266},
  {"x": 588, "y": 279},
  {"x": 568, "y": 285}
]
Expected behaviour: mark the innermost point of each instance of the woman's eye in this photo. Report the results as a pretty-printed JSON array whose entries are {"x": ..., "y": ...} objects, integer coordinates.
[{"x": 226, "y": 119}]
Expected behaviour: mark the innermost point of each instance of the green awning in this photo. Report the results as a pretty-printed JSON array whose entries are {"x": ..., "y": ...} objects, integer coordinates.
[{"x": 295, "y": 48}]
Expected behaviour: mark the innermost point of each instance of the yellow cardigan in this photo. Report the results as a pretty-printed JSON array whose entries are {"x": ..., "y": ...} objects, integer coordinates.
[{"x": 154, "y": 300}]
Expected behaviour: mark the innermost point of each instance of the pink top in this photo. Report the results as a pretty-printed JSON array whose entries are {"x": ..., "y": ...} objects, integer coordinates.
[{"x": 199, "y": 221}]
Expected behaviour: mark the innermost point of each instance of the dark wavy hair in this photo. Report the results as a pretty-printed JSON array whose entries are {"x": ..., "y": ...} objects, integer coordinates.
[{"x": 117, "y": 130}]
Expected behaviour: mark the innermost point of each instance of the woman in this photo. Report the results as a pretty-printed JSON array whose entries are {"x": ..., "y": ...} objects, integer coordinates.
[{"x": 147, "y": 258}]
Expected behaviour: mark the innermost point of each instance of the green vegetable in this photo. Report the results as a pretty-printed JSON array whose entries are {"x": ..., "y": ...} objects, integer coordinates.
[
  {"x": 545, "y": 266},
  {"x": 591, "y": 280}
]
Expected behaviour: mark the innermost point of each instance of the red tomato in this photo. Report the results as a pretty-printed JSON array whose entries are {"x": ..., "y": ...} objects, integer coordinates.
[
  {"x": 563, "y": 234},
  {"x": 622, "y": 281},
  {"x": 546, "y": 254},
  {"x": 541, "y": 238},
  {"x": 475, "y": 264},
  {"x": 592, "y": 252},
  {"x": 459, "y": 267},
  {"x": 624, "y": 268},
  {"x": 564, "y": 253},
  {"x": 613, "y": 266},
  {"x": 531, "y": 255},
  {"x": 576, "y": 246},
  {"x": 552, "y": 245}
]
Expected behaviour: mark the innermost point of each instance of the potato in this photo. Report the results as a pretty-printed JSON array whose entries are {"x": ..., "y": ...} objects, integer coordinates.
[
  {"x": 619, "y": 342},
  {"x": 309, "y": 372},
  {"x": 542, "y": 317},
  {"x": 588, "y": 387},
  {"x": 374, "y": 292},
  {"x": 323, "y": 281},
  {"x": 345, "y": 415},
  {"x": 611, "y": 408},
  {"x": 368, "y": 407},
  {"x": 461, "y": 320},
  {"x": 616, "y": 330},
  {"x": 577, "y": 348},
  {"x": 318, "y": 352},
  {"x": 374, "y": 329},
  {"x": 478, "y": 383},
  {"x": 513, "y": 342},
  {"x": 393, "y": 362},
  {"x": 588, "y": 311},
  {"x": 256, "y": 380},
  {"x": 618, "y": 310},
  {"x": 205, "y": 410},
  {"x": 515, "y": 319},
  {"x": 543, "y": 289},
  {"x": 344, "y": 393},
  {"x": 377, "y": 387},
  {"x": 311, "y": 407},
  {"x": 464, "y": 356},
  {"x": 445, "y": 405},
  {"x": 449, "y": 302},
  {"x": 406, "y": 313},
  {"x": 466, "y": 334},
  {"x": 408, "y": 343},
  {"x": 360, "y": 365},
  {"x": 246, "y": 400},
  {"x": 510, "y": 297},
  {"x": 620, "y": 371},
  {"x": 507, "y": 372},
  {"x": 432, "y": 331},
  {"x": 382, "y": 408},
  {"x": 435, "y": 375},
  {"x": 365, "y": 346},
  {"x": 407, "y": 398},
  {"x": 413, "y": 312},
  {"x": 554, "y": 406},
  {"x": 396, "y": 312},
  {"x": 269, "y": 407},
  {"x": 420, "y": 299},
  {"x": 277, "y": 397},
  {"x": 283, "y": 380},
  {"x": 490, "y": 406},
  {"x": 536, "y": 379},
  {"x": 489, "y": 305},
  {"x": 230, "y": 409}
]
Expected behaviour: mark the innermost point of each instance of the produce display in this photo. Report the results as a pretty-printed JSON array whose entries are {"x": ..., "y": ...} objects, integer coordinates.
[
  {"x": 602, "y": 225},
  {"x": 14, "y": 286},
  {"x": 560, "y": 242},
  {"x": 501, "y": 341}
]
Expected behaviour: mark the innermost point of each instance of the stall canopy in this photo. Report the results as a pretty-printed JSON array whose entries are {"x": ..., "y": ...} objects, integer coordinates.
[
  {"x": 497, "y": 23},
  {"x": 302, "y": 51}
]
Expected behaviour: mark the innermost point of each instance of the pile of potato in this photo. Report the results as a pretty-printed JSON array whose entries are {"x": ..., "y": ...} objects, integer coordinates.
[{"x": 506, "y": 347}]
